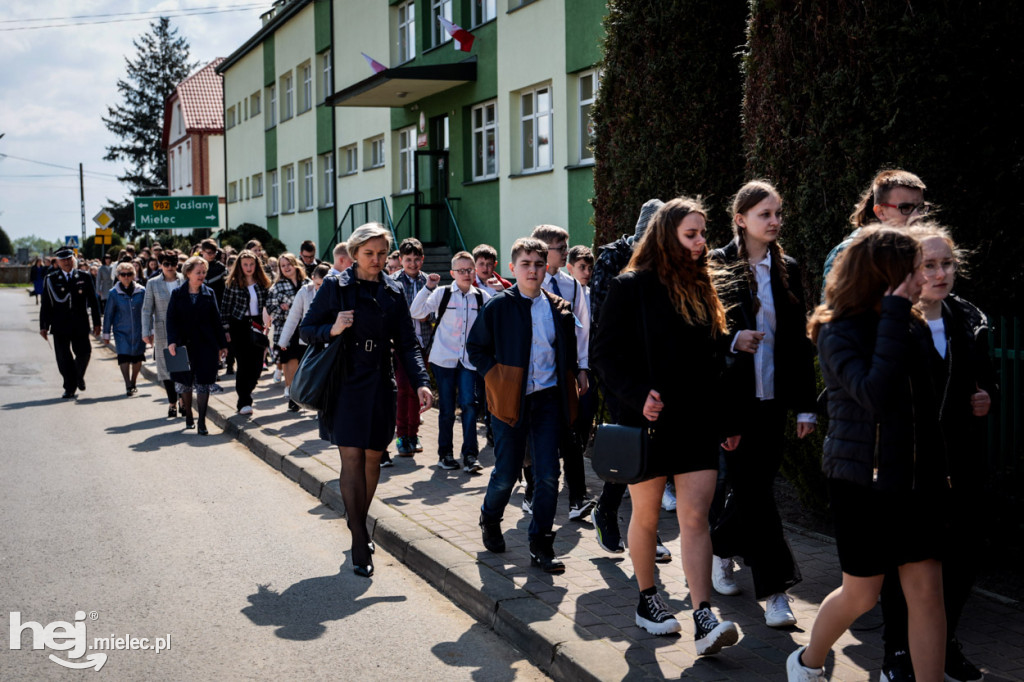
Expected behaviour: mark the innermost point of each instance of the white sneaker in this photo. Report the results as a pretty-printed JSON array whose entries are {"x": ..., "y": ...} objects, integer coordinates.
[
  {"x": 721, "y": 576},
  {"x": 795, "y": 672},
  {"x": 277, "y": 376},
  {"x": 246, "y": 410},
  {"x": 668, "y": 500},
  {"x": 287, "y": 393},
  {"x": 777, "y": 613}
]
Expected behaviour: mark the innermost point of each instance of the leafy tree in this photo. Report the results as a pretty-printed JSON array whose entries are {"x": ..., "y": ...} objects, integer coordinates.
[
  {"x": 6, "y": 247},
  {"x": 37, "y": 246},
  {"x": 238, "y": 237},
  {"x": 667, "y": 113},
  {"x": 161, "y": 62}
]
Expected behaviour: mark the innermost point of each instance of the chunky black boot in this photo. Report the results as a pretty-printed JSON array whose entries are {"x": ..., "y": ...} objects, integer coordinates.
[
  {"x": 542, "y": 553},
  {"x": 494, "y": 541}
]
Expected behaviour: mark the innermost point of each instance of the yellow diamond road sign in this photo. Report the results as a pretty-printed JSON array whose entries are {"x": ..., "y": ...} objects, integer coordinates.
[{"x": 103, "y": 218}]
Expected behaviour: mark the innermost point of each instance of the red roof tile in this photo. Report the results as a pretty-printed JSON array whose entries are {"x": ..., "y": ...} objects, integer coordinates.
[{"x": 202, "y": 99}]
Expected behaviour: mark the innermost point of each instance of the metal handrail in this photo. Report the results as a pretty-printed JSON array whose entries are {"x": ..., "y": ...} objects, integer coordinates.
[{"x": 455, "y": 224}]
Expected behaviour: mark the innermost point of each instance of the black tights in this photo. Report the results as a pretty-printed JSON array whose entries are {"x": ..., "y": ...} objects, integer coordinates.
[
  {"x": 202, "y": 401},
  {"x": 132, "y": 369},
  {"x": 360, "y": 471},
  {"x": 172, "y": 395}
]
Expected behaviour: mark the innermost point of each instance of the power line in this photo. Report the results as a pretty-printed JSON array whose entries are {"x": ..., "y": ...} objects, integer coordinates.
[
  {"x": 124, "y": 14},
  {"x": 54, "y": 165},
  {"x": 180, "y": 13}
]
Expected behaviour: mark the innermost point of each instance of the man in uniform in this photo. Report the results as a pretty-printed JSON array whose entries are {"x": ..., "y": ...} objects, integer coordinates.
[{"x": 68, "y": 296}]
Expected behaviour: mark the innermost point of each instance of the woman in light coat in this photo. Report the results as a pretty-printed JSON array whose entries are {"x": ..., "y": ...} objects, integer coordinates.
[
  {"x": 123, "y": 318},
  {"x": 154, "y": 321}
]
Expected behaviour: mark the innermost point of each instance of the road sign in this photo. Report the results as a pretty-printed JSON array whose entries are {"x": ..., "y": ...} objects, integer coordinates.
[
  {"x": 103, "y": 218},
  {"x": 72, "y": 241},
  {"x": 170, "y": 213},
  {"x": 104, "y": 236}
]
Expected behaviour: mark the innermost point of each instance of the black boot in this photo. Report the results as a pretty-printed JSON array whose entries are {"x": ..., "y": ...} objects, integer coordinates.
[
  {"x": 542, "y": 553},
  {"x": 493, "y": 539}
]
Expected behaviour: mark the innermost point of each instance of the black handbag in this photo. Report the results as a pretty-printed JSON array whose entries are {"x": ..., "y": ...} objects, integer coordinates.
[
  {"x": 259, "y": 336},
  {"x": 623, "y": 454},
  {"x": 315, "y": 378}
]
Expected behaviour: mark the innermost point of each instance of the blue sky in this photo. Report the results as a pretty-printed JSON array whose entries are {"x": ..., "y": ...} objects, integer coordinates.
[{"x": 55, "y": 85}]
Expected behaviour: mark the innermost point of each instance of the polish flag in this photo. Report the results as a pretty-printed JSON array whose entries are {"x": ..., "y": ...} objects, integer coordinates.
[
  {"x": 463, "y": 38},
  {"x": 374, "y": 64}
]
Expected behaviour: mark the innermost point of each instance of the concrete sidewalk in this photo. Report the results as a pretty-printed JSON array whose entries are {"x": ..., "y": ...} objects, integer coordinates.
[{"x": 579, "y": 625}]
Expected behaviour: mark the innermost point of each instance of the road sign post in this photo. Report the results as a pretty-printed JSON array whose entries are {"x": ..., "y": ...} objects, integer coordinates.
[{"x": 177, "y": 213}]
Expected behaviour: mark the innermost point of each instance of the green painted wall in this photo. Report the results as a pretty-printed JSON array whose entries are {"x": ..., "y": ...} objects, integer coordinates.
[
  {"x": 581, "y": 211},
  {"x": 322, "y": 25},
  {"x": 324, "y": 129},
  {"x": 269, "y": 66},
  {"x": 270, "y": 140},
  {"x": 583, "y": 33},
  {"x": 272, "y": 226},
  {"x": 325, "y": 227}
]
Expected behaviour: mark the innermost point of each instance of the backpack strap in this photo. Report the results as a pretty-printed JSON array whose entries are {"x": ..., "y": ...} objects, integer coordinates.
[{"x": 446, "y": 296}]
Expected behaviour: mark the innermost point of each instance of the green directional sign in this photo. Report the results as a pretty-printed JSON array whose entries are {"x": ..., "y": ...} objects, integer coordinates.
[{"x": 176, "y": 213}]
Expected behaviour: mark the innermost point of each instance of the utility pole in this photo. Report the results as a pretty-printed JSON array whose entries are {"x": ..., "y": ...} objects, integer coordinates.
[{"x": 81, "y": 193}]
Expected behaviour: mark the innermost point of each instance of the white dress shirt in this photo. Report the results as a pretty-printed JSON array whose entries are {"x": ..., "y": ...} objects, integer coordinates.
[
  {"x": 569, "y": 288},
  {"x": 541, "y": 373},
  {"x": 448, "y": 348}
]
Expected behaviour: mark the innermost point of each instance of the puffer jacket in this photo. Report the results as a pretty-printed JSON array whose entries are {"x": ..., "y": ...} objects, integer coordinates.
[{"x": 883, "y": 427}]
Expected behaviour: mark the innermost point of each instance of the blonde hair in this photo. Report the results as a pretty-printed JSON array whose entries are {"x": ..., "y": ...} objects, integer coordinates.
[
  {"x": 365, "y": 233},
  {"x": 192, "y": 263}
]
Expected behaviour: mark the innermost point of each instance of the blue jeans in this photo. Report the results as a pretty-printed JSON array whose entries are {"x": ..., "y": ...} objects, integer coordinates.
[
  {"x": 541, "y": 425},
  {"x": 455, "y": 382}
]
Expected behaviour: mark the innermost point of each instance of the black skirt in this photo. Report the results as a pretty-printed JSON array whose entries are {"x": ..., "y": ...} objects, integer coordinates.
[{"x": 363, "y": 411}]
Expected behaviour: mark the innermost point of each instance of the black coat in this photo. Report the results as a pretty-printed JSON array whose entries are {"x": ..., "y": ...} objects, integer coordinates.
[
  {"x": 683, "y": 362},
  {"x": 795, "y": 385},
  {"x": 197, "y": 327},
  {"x": 883, "y": 428},
  {"x": 67, "y": 303}
]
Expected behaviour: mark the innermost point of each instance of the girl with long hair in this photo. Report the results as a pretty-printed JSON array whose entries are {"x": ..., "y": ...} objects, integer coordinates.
[
  {"x": 775, "y": 368},
  {"x": 290, "y": 278},
  {"x": 884, "y": 456},
  {"x": 245, "y": 296},
  {"x": 671, "y": 378}
]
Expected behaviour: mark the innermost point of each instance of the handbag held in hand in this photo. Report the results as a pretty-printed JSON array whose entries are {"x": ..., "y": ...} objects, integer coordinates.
[{"x": 622, "y": 454}]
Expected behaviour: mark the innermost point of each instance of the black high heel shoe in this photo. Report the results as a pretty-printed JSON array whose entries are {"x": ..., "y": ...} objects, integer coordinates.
[
  {"x": 373, "y": 547},
  {"x": 363, "y": 571},
  {"x": 189, "y": 422},
  {"x": 202, "y": 429}
]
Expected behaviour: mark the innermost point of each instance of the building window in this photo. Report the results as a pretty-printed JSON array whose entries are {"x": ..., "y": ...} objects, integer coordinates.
[
  {"x": 177, "y": 115},
  {"x": 406, "y": 31},
  {"x": 307, "y": 184},
  {"x": 257, "y": 185},
  {"x": 188, "y": 163},
  {"x": 306, "y": 102},
  {"x": 254, "y": 104},
  {"x": 348, "y": 157},
  {"x": 327, "y": 179},
  {"x": 326, "y": 76},
  {"x": 439, "y": 8},
  {"x": 273, "y": 207},
  {"x": 485, "y": 141},
  {"x": 232, "y": 192},
  {"x": 287, "y": 96},
  {"x": 406, "y": 158},
  {"x": 246, "y": 188},
  {"x": 484, "y": 11},
  {"x": 229, "y": 118},
  {"x": 271, "y": 106},
  {"x": 374, "y": 152},
  {"x": 183, "y": 164},
  {"x": 536, "y": 129},
  {"x": 589, "y": 84},
  {"x": 289, "y": 189}
]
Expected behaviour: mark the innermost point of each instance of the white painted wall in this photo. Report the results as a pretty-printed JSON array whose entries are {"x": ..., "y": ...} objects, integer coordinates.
[{"x": 245, "y": 141}]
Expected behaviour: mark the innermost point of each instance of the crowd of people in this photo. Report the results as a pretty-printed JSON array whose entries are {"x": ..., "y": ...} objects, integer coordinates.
[{"x": 711, "y": 350}]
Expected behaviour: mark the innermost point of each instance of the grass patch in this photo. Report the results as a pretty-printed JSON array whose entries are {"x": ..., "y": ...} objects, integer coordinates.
[{"x": 15, "y": 285}]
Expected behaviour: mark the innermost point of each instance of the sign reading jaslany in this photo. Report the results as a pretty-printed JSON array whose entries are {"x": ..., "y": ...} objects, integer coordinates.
[{"x": 169, "y": 213}]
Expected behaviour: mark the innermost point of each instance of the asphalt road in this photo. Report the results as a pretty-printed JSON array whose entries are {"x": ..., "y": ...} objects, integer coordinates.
[{"x": 119, "y": 523}]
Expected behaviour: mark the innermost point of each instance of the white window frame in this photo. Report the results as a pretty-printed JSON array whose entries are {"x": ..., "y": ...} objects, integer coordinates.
[
  {"x": 287, "y": 96},
  {"x": 254, "y": 104},
  {"x": 232, "y": 192},
  {"x": 181, "y": 172},
  {"x": 181, "y": 119},
  {"x": 484, "y": 11},
  {"x": 289, "y": 189},
  {"x": 307, "y": 87},
  {"x": 406, "y": 159},
  {"x": 327, "y": 177},
  {"x": 531, "y": 147},
  {"x": 229, "y": 118},
  {"x": 585, "y": 108},
  {"x": 406, "y": 38},
  {"x": 271, "y": 105},
  {"x": 308, "y": 180},
  {"x": 439, "y": 8},
  {"x": 375, "y": 152},
  {"x": 479, "y": 133},
  {"x": 274, "y": 197},
  {"x": 188, "y": 163},
  {"x": 257, "y": 185},
  {"x": 246, "y": 188},
  {"x": 326, "y": 75},
  {"x": 349, "y": 156}
]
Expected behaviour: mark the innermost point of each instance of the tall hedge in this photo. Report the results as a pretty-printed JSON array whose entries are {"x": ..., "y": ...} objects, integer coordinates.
[
  {"x": 836, "y": 90},
  {"x": 667, "y": 114}
]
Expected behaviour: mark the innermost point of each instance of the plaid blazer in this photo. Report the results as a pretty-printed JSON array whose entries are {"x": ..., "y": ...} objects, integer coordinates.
[{"x": 235, "y": 304}]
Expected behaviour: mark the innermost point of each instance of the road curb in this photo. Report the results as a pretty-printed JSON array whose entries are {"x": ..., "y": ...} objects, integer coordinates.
[{"x": 547, "y": 637}]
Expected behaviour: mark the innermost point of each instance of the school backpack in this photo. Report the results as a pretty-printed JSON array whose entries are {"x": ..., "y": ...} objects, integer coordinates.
[{"x": 611, "y": 260}]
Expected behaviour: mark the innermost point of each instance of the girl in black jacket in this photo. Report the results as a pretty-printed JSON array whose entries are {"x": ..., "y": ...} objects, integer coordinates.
[
  {"x": 241, "y": 309},
  {"x": 774, "y": 364},
  {"x": 884, "y": 456},
  {"x": 370, "y": 313}
]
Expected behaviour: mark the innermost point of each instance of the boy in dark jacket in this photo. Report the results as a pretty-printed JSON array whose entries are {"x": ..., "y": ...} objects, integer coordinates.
[{"x": 524, "y": 345}]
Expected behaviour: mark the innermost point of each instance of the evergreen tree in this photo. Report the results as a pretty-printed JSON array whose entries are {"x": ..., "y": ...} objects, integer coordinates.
[
  {"x": 161, "y": 62},
  {"x": 6, "y": 248},
  {"x": 667, "y": 113}
]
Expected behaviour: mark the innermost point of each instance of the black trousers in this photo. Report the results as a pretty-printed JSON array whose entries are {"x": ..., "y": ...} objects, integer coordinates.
[
  {"x": 745, "y": 521},
  {"x": 248, "y": 358},
  {"x": 73, "y": 352}
]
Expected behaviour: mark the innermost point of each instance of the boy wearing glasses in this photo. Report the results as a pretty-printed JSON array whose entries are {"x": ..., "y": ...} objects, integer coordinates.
[
  {"x": 456, "y": 307},
  {"x": 561, "y": 284}
]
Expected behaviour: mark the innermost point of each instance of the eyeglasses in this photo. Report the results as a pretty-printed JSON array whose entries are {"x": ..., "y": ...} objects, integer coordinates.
[
  {"x": 464, "y": 271},
  {"x": 560, "y": 249},
  {"x": 908, "y": 208}
]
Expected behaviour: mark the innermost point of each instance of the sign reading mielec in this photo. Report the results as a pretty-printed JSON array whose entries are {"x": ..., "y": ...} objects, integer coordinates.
[{"x": 175, "y": 213}]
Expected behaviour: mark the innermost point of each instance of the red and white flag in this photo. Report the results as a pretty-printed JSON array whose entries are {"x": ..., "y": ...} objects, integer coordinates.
[
  {"x": 463, "y": 38},
  {"x": 374, "y": 64}
]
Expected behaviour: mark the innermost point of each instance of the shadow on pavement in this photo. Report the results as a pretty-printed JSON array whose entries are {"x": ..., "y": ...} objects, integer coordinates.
[
  {"x": 34, "y": 403},
  {"x": 463, "y": 654},
  {"x": 301, "y": 611}
]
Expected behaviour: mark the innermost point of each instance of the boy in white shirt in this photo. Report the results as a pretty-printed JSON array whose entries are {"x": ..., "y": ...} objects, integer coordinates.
[{"x": 456, "y": 306}]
